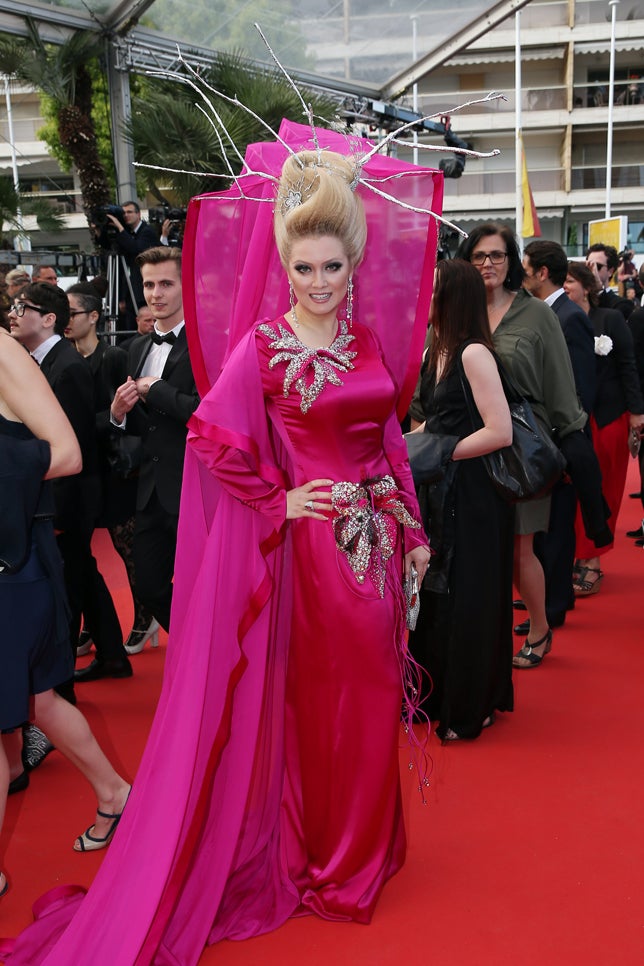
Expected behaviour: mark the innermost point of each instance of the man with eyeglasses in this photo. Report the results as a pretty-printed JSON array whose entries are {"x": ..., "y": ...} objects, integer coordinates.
[
  {"x": 603, "y": 262},
  {"x": 546, "y": 265},
  {"x": 38, "y": 319}
]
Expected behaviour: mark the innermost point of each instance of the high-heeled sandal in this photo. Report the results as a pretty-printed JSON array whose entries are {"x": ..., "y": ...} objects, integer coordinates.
[
  {"x": 138, "y": 639},
  {"x": 451, "y": 735},
  {"x": 585, "y": 588},
  {"x": 91, "y": 843},
  {"x": 527, "y": 652},
  {"x": 5, "y": 887}
]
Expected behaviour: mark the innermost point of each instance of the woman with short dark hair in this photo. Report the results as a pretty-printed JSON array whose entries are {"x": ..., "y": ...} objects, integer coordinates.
[{"x": 528, "y": 338}]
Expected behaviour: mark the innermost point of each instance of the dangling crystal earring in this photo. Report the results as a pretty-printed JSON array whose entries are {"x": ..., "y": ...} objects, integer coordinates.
[
  {"x": 291, "y": 295},
  {"x": 350, "y": 301}
]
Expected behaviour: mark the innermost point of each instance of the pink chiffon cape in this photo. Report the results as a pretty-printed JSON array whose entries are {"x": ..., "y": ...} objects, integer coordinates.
[{"x": 197, "y": 855}]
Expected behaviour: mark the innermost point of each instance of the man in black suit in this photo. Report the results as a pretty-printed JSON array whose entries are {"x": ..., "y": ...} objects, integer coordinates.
[
  {"x": 155, "y": 403},
  {"x": 38, "y": 322},
  {"x": 546, "y": 267},
  {"x": 603, "y": 261}
]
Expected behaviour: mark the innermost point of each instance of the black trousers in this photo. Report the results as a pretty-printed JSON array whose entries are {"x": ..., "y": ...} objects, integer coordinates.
[
  {"x": 155, "y": 543},
  {"x": 556, "y": 550},
  {"x": 88, "y": 597}
]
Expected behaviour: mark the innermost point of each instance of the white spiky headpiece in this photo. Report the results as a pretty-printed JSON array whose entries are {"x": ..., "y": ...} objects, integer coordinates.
[{"x": 295, "y": 196}]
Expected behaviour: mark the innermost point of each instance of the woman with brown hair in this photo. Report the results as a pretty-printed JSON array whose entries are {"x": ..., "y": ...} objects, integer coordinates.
[
  {"x": 528, "y": 339},
  {"x": 464, "y": 632}
]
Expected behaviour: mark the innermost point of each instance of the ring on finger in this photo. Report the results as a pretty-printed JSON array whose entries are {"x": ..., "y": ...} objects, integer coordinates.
[{"x": 309, "y": 505}]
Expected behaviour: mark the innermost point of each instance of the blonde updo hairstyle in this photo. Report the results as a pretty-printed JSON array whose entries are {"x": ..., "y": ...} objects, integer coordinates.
[{"x": 316, "y": 198}]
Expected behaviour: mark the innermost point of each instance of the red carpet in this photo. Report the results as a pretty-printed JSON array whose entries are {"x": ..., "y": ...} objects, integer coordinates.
[{"x": 530, "y": 851}]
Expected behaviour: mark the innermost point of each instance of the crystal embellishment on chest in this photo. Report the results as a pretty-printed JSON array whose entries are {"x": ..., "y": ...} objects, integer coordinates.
[{"x": 309, "y": 370}]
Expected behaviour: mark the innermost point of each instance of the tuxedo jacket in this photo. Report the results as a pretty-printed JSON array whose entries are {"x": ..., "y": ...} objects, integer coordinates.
[
  {"x": 580, "y": 339},
  {"x": 161, "y": 421},
  {"x": 69, "y": 375},
  {"x": 611, "y": 300},
  {"x": 618, "y": 385}
]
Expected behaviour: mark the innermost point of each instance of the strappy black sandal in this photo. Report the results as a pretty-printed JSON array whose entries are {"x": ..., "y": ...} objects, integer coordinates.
[
  {"x": 92, "y": 843},
  {"x": 584, "y": 587},
  {"x": 527, "y": 652}
]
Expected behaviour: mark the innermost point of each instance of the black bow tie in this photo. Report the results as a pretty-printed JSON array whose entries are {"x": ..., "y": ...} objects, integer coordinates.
[{"x": 168, "y": 339}]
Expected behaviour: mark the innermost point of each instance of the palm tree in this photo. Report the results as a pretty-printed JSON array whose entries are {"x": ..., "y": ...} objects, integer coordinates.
[
  {"x": 13, "y": 204},
  {"x": 61, "y": 72},
  {"x": 167, "y": 128}
]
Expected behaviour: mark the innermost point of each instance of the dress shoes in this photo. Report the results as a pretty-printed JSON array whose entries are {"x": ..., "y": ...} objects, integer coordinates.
[
  {"x": 635, "y": 496},
  {"x": 519, "y": 605},
  {"x": 104, "y": 669},
  {"x": 557, "y": 620},
  {"x": 19, "y": 783},
  {"x": 639, "y": 543},
  {"x": 636, "y": 534}
]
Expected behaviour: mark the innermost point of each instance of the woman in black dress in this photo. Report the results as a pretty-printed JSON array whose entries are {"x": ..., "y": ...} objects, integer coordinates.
[
  {"x": 464, "y": 633},
  {"x": 34, "y": 643}
]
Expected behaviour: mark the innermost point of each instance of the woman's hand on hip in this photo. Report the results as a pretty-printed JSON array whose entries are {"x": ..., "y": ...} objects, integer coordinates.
[{"x": 309, "y": 500}]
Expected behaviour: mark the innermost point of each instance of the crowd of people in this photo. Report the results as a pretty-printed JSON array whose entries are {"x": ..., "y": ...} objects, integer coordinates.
[{"x": 300, "y": 529}]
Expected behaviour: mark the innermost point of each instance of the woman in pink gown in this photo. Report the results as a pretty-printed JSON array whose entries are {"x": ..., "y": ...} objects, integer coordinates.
[{"x": 298, "y": 519}]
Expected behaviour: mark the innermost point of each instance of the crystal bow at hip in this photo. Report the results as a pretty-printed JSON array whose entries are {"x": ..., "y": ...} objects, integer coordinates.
[{"x": 365, "y": 525}]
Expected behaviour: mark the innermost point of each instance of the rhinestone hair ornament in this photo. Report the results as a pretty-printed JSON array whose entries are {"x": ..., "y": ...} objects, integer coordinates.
[{"x": 294, "y": 197}]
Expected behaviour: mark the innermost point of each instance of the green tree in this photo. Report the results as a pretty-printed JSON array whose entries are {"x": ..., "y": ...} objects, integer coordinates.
[
  {"x": 62, "y": 73},
  {"x": 168, "y": 129},
  {"x": 100, "y": 117},
  {"x": 11, "y": 202}
]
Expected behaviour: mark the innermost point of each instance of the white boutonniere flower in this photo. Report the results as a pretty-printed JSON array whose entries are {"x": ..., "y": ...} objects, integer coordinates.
[{"x": 603, "y": 345}]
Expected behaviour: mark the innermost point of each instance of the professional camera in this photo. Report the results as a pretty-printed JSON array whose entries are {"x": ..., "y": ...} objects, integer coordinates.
[
  {"x": 106, "y": 230},
  {"x": 453, "y": 167},
  {"x": 162, "y": 212},
  {"x": 176, "y": 217},
  {"x": 98, "y": 217}
]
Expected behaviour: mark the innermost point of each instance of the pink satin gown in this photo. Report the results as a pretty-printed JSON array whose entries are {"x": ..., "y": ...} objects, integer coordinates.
[{"x": 270, "y": 782}]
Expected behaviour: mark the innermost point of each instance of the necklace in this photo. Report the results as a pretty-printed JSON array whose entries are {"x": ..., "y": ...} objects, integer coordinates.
[{"x": 308, "y": 368}]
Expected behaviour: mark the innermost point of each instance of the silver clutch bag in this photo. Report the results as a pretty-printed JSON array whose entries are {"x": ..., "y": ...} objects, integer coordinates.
[{"x": 412, "y": 597}]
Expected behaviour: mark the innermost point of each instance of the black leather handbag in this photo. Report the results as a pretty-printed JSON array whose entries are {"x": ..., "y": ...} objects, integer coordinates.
[
  {"x": 533, "y": 463},
  {"x": 429, "y": 455}
]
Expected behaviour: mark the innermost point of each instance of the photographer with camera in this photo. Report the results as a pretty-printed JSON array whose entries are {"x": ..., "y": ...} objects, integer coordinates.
[
  {"x": 122, "y": 230},
  {"x": 171, "y": 222}
]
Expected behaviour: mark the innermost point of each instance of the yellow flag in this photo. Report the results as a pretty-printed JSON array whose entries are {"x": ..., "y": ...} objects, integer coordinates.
[{"x": 531, "y": 227}]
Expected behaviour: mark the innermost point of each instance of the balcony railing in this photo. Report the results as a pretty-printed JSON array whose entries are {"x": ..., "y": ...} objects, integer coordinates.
[
  {"x": 475, "y": 181},
  {"x": 594, "y": 176},
  {"x": 532, "y": 99},
  {"x": 65, "y": 202}
]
